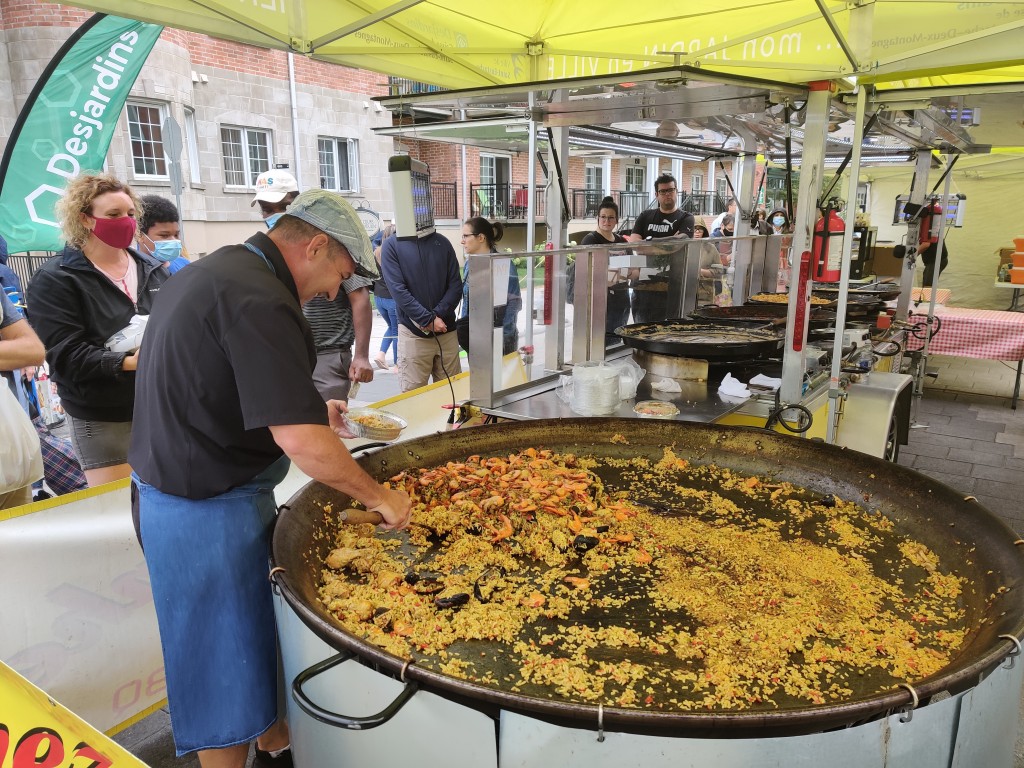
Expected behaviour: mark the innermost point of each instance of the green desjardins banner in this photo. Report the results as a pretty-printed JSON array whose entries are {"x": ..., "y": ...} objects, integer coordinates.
[{"x": 66, "y": 125}]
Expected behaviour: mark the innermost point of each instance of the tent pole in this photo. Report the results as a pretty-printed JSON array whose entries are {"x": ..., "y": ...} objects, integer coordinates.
[
  {"x": 834, "y": 390},
  {"x": 531, "y": 221}
]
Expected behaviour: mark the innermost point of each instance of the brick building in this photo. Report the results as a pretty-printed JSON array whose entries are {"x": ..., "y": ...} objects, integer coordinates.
[{"x": 244, "y": 109}]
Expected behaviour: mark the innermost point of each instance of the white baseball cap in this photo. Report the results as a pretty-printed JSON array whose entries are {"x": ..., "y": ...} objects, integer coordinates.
[{"x": 273, "y": 186}]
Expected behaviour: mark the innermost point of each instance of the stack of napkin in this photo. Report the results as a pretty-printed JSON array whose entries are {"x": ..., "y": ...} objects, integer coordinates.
[{"x": 732, "y": 387}]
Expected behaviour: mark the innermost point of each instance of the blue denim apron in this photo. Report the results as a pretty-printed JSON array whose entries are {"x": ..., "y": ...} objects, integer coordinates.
[{"x": 208, "y": 562}]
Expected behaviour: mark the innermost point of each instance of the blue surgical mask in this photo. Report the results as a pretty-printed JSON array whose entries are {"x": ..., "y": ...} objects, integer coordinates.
[
  {"x": 271, "y": 220},
  {"x": 166, "y": 250},
  {"x": 778, "y": 221}
]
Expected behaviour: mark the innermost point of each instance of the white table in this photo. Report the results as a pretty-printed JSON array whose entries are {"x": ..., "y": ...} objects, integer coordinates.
[{"x": 1015, "y": 303}]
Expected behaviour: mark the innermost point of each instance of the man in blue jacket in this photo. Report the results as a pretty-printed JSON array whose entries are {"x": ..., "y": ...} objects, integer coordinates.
[{"x": 423, "y": 277}]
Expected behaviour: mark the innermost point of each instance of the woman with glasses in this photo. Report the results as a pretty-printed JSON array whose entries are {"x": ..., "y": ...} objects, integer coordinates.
[
  {"x": 480, "y": 236},
  {"x": 618, "y": 279}
]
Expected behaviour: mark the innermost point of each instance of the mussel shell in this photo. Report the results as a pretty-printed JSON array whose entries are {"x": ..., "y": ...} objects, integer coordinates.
[{"x": 452, "y": 601}]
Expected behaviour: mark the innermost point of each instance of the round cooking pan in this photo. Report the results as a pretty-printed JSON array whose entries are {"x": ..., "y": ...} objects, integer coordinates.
[
  {"x": 967, "y": 539},
  {"x": 867, "y": 293},
  {"x": 774, "y": 314},
  {"x": 702, "y": 339}
]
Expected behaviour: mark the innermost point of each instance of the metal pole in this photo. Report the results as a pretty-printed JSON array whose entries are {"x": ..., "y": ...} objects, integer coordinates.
[
  {"x": 531, "y": 222},
  {"x": 819, "y": 100},
  {"x": 834, "y": 393},
  {"x": 295, "y": 119},
  {"x": 936, "y": 268}
]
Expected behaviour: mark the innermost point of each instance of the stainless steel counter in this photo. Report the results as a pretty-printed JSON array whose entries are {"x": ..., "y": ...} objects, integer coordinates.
[{"x": 697, "y": 402}]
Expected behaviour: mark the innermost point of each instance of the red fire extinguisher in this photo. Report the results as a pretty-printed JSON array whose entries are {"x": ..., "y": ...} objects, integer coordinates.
[
  {"x": 929, "y": 232},
  {"x": 826, "y": 258}
]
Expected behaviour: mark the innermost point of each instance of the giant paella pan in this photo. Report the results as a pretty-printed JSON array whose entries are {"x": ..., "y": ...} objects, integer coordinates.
[{"x": 935, "y": 544}]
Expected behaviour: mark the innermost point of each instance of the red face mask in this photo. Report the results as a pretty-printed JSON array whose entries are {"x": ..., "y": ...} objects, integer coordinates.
[{"x": 117, "y": 233}]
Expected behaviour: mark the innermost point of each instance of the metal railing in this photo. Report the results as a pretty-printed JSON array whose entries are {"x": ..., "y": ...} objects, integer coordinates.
[
  {"x": 631, "y": 202},
  {"x": 403, "y": 86},
  {"x": 702, "y": 203},
  {"x": 26, "y": 264},
  {"x": 445, "y": 199},
  {"x": 504, "y": 201}
]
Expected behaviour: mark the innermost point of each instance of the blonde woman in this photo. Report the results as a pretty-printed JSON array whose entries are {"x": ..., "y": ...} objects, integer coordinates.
[{"x": 79, "y": 299}]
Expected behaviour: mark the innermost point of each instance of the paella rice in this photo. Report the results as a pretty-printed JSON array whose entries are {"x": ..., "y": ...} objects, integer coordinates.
[{"x": 681, "y": 586}]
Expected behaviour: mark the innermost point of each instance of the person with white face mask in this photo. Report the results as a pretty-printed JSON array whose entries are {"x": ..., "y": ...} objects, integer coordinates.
[
  {"x": 160, "y": 233},
  {"x": 275, "y": 191},
  {"x": 79, "y": 300}
]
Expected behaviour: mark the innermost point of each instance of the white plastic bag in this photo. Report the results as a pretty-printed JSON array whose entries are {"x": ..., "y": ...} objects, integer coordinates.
[
  {"x": 129, "y": 338},
  {"x": 21, "y": 462},
  {"x": 630, "y": 374}
]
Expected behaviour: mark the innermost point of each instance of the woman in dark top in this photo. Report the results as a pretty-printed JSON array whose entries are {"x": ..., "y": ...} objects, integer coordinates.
[
  {"x": 386, "y": 307},
  {"x": 82, "y": 297},
  {"x": 480, "y": 236},
  {"x": 618, "y": 279}
]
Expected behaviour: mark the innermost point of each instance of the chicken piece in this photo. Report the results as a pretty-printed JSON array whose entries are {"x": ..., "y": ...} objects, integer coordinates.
[{"x": 343, "y": 557}]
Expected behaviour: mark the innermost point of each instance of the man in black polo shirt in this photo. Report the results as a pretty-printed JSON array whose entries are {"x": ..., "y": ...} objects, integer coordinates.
[
  {"x": 650, "y": 290},
  {"x": 224, "y": 398}
]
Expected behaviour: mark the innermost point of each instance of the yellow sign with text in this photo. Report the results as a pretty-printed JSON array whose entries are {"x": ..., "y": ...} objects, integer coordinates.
[{"x": 37, "y": 732}]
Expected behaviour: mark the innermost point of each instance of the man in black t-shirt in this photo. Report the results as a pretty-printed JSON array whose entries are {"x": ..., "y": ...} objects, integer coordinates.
[
  {"x": 224, "y": 392},
  {"x": 649, "y": 296},
  {"x": 666, "y": 220}
]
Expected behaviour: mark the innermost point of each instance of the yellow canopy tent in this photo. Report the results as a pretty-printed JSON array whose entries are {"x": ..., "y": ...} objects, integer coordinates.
[{"x": 469, "y": 44}]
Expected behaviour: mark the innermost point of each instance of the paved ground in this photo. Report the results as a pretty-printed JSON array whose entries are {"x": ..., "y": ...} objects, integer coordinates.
[{"x": 965, "y": 436}]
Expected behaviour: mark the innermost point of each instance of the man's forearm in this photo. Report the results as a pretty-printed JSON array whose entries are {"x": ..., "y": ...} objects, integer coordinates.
[{"x": 316, "y": 450}]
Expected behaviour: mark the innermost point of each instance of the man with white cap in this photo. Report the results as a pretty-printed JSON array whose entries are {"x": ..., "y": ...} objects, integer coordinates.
[
  {"x": 275, "y": 191},
  {"x": 337, "y": 322},
  {"x": 224, "y": 399}
]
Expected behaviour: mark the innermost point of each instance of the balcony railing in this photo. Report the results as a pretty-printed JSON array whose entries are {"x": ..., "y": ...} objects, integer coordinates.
[
  {"x": 504, "y": 201},
  {"x": 444, "y": 196},
  {"x": 403, "y": 86},
  {"x": 702, "y": 203}
]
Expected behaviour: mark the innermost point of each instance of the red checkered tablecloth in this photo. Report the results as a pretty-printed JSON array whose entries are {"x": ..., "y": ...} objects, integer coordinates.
[
  {"x": 925, "y": 294},
  {"x": 982, "y": 333}
]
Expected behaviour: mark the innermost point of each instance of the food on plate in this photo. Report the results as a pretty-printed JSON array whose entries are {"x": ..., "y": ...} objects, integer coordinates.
[
  {"x": 655, "y": 409},
  {"x": 646, "y": 583},
  {"x": 373, "y": 420}
]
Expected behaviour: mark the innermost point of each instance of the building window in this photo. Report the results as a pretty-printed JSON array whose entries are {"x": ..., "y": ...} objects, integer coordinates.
[
  {"x": 192, "y": 143},
  {"x": 339, "y": 164},
  {"x": 696, "y": 183},
  {"x": 144, "y": 121},
  {"x": 246, "y": 155},
  {"x": 862, "y": 197},
  {"x": 636, "y": 179},
  {"x": 722, "y": 188},
  {"x": 593, "y": 177}
]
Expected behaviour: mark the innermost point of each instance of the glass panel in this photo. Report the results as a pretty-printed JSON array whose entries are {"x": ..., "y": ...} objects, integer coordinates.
[
  {"x": 234, "y": 160},
  {"x": 487, "y": 170},
  {"x": 146, "y": 140},
  {"x": 343, "y": 165},
  {"x": 325, "y": 159},
  {"x": 353, "y": 165},
  {"x": 258, "y": 144},
  {"x": 635, "y": 179},
  {"x": 696, "y": 182}
]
